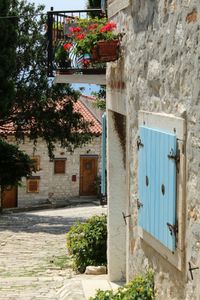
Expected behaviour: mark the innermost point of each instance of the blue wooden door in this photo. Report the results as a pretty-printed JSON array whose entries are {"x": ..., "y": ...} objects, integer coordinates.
[{"x": 157, "y": 184}]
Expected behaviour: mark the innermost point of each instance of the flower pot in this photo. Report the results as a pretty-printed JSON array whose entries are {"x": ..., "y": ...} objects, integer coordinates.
[{"x": 105, "y": 51}]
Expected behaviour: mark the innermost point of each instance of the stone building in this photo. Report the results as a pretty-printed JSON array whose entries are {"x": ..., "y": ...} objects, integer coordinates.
[
  {"x": 67, "y": 176},
  {"x": 153, "y": 112}
]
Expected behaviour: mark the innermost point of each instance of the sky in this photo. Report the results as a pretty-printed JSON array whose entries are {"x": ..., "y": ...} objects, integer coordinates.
[
  {"x": 68, "y": 5},
  {"x": 62, "y": 4}
]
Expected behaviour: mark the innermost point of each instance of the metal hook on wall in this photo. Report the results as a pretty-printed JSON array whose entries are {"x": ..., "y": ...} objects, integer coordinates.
[{"x": 191, "y": 270}]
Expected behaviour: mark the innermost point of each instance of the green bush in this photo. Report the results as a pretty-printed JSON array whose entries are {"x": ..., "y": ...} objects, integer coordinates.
[
  {"x": 87, "y": 243},
  {"x": 141, "y": 288}
]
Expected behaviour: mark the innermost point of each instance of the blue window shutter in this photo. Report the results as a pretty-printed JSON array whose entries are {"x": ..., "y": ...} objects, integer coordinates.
[
  {"x": 157, "y": 184},
  {"x": 103, "y": 156}
]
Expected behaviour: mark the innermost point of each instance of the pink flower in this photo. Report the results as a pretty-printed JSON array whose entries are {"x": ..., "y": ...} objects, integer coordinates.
[
  {"x": 67, "y": 46},
  {"x": 75, "y": 29},
  {"x": 80, "y": 36}
]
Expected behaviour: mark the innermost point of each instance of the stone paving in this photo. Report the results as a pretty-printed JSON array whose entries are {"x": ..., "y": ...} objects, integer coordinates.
[{"x": 31, "y": 246}]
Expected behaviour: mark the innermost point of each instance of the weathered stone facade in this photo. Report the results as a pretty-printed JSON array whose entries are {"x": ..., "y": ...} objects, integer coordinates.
[
  {"x": 53, "y": 187},
  {"x": 158, "y": 72}
]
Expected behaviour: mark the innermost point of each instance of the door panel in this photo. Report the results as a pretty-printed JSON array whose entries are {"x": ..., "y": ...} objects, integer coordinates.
[
  {"x": 88, "y": 175},
  {"x": 9, "y": 197}
]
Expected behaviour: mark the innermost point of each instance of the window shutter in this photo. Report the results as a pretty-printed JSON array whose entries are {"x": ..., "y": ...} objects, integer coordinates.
[
  {"x": 36, "y": 160},
  {"x": 33, "y": 185},
  {"x": 59, "y": 166},
  {"x": 103, "y": 156},
  {"x": 157, "y": 184}
]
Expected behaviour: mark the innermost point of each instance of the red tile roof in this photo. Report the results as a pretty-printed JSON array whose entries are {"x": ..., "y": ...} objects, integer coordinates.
[
  {"x": 88, "y": 116},
  {"x": 78, "y": 107}
]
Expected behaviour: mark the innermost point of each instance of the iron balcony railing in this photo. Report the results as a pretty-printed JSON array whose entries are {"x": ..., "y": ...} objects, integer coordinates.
[{"x": 58, "y": 29}]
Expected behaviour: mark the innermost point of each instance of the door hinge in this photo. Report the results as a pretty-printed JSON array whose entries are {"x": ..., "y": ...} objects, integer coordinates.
[
  {"x": 174, "y": 156},
  {"x": 139, "y": 143},
  {"x": 173, "y": 229},
  {"x": 139, "y": 204}
]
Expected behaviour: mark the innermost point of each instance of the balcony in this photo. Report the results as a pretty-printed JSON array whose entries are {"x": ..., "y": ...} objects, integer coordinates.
[{"x": 72, "y": 69}]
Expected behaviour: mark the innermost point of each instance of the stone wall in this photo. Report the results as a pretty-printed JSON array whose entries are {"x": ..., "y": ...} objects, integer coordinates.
[
  {"x": 160, "y": 66},
  {"x": 55, "y": 187}
]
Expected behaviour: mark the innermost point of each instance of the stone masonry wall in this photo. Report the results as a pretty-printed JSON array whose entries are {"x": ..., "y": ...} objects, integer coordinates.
[
  {"x": 55, "y": 187},
  {"x": 161, "y": 67}
]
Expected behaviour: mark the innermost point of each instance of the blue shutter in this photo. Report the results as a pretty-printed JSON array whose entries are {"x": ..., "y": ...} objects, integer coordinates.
[
  {"x": 157, "y": 184},
  {"x": 103, "y": 156}
]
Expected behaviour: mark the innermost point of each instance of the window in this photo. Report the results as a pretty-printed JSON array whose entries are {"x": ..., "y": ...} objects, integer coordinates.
[
  {"x": 161, "y": 184},
  {"x": 33, "y": 185},
  {"x": 36, "y": 160},
  {"x": 59, "y": 166}
]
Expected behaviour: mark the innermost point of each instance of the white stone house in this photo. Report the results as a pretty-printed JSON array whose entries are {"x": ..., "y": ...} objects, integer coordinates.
[
  {"x": 153, "y": 150},
  {"x": 67, "y": 176}
]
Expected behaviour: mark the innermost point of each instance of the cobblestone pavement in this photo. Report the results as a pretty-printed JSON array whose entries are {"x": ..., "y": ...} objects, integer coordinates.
[{"x": 31, "y": 246}]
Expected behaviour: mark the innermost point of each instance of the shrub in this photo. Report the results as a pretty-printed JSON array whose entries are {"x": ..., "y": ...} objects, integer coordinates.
[
  {"x": 141, "y": 288},
  {"x": 87, "y": 243}
]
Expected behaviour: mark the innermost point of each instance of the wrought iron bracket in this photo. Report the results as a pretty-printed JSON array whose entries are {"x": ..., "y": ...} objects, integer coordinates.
[
  {"x": 191, "y": 270},
  {"x": 125, "y": 216},
  {"x": 139, "y": 143},
  {"x": 173, "y": 229}
]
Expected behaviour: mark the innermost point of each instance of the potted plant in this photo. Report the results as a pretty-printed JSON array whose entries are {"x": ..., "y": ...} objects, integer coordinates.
[
  {"x": 95, "y": 38},
  {"x": 61, "y": 55}
]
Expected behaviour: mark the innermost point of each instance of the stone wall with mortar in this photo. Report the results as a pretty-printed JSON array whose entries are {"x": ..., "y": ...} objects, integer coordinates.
[
  {"x": 160, "y": 66},
  {"x": 55, "y": 187}
]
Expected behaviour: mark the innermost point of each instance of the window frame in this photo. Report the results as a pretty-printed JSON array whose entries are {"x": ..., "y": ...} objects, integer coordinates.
[
  {"x": 34, "y": 178},
  {"x": 59, "y": 160}
]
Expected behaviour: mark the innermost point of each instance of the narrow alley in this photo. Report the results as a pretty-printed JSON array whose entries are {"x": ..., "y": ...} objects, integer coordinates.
[{"x": 32, "y": 249}]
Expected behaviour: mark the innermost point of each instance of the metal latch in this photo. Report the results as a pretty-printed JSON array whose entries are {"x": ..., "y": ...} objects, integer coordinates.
[
  {"x": 139, "y": 204},
  {"x": 173, "y": 229},
  {"x": 139, "y": 143}
]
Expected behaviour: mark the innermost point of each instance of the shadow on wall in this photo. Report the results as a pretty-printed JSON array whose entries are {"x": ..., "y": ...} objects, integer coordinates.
[{"x": 143, "y": 12}]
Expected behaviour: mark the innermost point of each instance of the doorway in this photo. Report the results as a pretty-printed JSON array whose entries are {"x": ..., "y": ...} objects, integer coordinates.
[
  {"x": 88, "y": 175},
  {"x": 9, "y": 197}
]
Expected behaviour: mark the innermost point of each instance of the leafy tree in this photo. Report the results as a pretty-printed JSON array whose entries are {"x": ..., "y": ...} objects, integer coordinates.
[
  {"x": 100, "y": 98},
  {"x": 41, "y": 109},
  {"x": 7, "y": 58},
  {"x": 14, "y": 164},
  {"x": 28, "y": 99}
]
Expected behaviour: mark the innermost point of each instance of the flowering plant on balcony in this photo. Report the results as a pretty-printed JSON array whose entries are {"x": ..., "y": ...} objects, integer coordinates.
[{"x": 86, "y": 35}]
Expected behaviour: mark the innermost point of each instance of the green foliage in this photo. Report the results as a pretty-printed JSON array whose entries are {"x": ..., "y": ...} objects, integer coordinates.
[
  {"x": 14, "y": 164},
  {"x": 140, "y": 288},
  {"x": 8, "y": 42},
  {"x": 100, "y": 96},
  {"x": 38, "y": 108},
  {"x": 87, "y": 243}
]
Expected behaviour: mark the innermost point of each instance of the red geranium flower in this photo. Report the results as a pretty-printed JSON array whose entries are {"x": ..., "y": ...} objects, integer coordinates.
[
  {"x": 75, "y": 29},
  {"x": 67, "y": 46},
  {"x": 108, "y": 27},
  {"x": 80, "y": 36}
]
